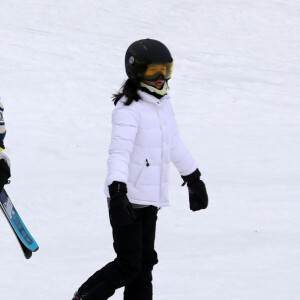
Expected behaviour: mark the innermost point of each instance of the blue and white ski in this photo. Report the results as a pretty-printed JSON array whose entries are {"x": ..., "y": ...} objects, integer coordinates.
[{"x": 27, "y": 242}]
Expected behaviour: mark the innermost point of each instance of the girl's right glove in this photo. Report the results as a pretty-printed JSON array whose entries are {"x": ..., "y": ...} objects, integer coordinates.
[
  {"x": 120, "y": 209},
  {"x": 197, "y": 191},
  {"x": 4, "y": 170}
]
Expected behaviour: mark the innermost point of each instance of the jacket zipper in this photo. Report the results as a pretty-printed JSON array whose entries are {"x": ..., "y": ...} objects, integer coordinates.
[{"x": 146, "y": 165}]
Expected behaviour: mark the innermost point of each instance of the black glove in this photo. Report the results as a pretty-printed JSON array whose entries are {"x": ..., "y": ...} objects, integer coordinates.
[
  {"x": 4, "y": 173},
  {"x": 120, "y": 209},
  {"x": 197, "y": 191}
]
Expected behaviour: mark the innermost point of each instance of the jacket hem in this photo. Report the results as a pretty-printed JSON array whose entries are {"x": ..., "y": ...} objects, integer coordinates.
[{"x": 148, "y": 202}]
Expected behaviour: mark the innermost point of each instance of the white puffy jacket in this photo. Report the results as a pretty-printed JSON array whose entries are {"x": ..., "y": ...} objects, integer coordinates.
[{"x": 144, "y": 140}]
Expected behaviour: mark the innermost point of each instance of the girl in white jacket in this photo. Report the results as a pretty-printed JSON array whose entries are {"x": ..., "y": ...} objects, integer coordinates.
[{"x": 144, "y": 141}]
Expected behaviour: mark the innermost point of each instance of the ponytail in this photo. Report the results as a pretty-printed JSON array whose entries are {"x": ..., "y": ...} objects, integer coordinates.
[{"x": 129, "y": 90}]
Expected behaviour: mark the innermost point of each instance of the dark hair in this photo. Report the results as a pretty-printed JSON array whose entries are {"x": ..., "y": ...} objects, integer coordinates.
[{"x": 128, "y": 89}]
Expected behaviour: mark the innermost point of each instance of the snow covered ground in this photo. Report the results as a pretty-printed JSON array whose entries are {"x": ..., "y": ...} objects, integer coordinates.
[{"x": 236, "y": 94}]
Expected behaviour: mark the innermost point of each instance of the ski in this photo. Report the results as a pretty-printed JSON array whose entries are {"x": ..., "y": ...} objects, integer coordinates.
[{"x": 25, "y": 239}]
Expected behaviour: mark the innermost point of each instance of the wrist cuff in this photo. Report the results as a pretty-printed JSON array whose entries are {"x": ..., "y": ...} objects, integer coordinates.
[{"x": 195, "y": 176}]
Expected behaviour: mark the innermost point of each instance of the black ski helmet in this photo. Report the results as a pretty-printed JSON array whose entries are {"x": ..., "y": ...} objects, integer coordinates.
[{"x": 143, "y": 53}]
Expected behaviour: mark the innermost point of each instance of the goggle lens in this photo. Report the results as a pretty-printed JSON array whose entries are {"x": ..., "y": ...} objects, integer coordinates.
[{"x": 156, "y": 71}]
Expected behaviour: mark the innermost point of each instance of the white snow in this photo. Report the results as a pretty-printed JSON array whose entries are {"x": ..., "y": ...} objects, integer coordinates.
[{"x": 239, "y": 61}]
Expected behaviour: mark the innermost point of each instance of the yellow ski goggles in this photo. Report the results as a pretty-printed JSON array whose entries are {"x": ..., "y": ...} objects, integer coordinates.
[{"x": 156, "y": 71}]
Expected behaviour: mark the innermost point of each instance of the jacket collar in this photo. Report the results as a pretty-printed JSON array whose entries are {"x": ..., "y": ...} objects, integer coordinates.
[{"x": 151, "y": 99}]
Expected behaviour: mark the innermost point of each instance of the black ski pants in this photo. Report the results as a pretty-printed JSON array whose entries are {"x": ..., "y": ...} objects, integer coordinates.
[{"x": 132, "y": 268}]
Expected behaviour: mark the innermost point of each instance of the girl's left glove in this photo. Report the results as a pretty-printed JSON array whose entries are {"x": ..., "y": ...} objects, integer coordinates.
[
  {"x": 4, "y": 170},
  {"x": 197, "y": 191}
]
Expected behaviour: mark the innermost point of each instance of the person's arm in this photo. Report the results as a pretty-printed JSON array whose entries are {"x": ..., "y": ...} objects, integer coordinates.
[
  {"x": 180, "y": 155},
  {"x": 188, "y": 170},
  {"x": 124, "y": 130},
  {"x": 2, "y": 128}
]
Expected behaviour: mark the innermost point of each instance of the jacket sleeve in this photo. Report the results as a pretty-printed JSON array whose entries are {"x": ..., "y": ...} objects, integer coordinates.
[
  {"x": 180, "y": 155},
  {"x": 124, "y": 130},
  {"x": 2, "y": 128}
]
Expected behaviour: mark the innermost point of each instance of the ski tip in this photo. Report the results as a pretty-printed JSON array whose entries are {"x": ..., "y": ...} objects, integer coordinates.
[
  {"x": 28, "y": 254},
  {"x": 36, "y": 249}
]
